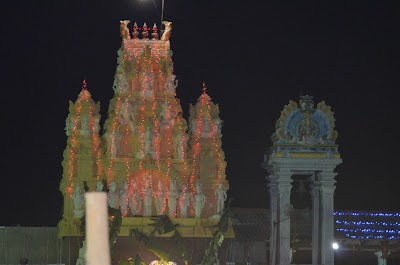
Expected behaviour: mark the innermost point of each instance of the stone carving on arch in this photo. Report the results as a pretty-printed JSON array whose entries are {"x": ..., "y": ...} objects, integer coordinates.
[{"x": 303, "y": 124}]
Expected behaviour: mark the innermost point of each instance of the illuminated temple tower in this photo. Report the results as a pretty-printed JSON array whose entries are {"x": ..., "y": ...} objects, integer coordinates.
[{"x": 148, "y": 157}]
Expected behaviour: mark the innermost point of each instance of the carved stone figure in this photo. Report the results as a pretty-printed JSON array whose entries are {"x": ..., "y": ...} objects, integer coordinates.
[
  {"x": 135, "y": 199},
  {"x": 113, "y": 195},
  {"x": 167, "y": 31},
  {"x": 69, "y": 125},
  {"x": 123, "y": 84},
  {"x": 155, "y": 143},
  {"x": 147, "y": 198},
  {"x": 199, "y": 201},
  {"x": 168, "y": 114},
  {"x": 206, "y": 126},
  {"x": 113, "y": 143},
  {"x": 164, "y": 111},
  {"x": 307, "y": 129},
  {"x": 159, "y": 199},
  {"x": 307, "y": 132},
  {"x": 96, "y": 124},
  {"x": 171, "y": 84},
  {"x": 173, "y": 195},
  {"x": 123, "y": 28},
  {"x": 148, "y": 90},
  {"x": 85, "y": 125},
  {"x": 123, "y": 199},
  {"x": 306, "y": 103},
  {"x": 221, "y": 198},
  {"x": 126, "y": 116},
  {"x": 148, "y": 141},
  {"x": 180, "y": 146},
  {"x": 217, "y": 126},
  {"x": 99, "y": 185},
  {"x": 78, "y": 199},
  {"x": 184, "y": 200},
  {"x": 381, "y": 259},
  {"x": 82, "y": 254}
]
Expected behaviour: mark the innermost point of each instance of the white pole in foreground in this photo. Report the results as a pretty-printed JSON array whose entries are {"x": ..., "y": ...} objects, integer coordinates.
[{"x": 98, "y": 249}]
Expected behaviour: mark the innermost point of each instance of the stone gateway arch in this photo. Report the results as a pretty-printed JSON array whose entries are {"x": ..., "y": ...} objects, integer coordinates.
[{"x": 304, "y": 147}]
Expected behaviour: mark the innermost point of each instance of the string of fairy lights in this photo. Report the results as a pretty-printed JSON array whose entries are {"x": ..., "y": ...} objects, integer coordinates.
[{"x": 368, "y": 225}]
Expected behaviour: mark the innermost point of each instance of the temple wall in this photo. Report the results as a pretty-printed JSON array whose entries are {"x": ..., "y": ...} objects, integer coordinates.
[{"x": 39, "y": 244}]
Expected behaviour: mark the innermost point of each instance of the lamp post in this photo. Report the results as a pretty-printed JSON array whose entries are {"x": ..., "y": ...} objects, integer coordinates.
[{"x": 162, "y": 15}]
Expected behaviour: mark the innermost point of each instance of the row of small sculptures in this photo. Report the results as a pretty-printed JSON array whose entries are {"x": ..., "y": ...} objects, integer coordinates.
[
  {"x": 133, "y": 201},
  {"x": 125, "y": 34}
]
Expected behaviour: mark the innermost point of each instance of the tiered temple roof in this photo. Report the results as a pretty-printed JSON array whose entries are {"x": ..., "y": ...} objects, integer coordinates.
[{"x": 149, "y": 158}]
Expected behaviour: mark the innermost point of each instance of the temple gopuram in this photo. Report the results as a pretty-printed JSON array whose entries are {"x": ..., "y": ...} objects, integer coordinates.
[{"x": 146, "y": 156}]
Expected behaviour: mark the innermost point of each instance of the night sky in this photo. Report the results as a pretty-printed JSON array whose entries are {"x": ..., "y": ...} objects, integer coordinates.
[{"x": 253, "y": 57}]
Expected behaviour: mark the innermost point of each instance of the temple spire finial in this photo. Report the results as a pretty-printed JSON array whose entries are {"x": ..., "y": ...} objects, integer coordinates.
[
  {"x": 84, "y": 83},
  {"x": 155, "y": 32},
  {"x": 135, "y": 31},
  {"x": 145, "y": 31},
  {"x": 204, "y": 87}
]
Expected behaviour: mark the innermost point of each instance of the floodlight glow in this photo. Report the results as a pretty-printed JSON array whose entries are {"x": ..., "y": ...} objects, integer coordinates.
[{"x": 335, "y": 245}]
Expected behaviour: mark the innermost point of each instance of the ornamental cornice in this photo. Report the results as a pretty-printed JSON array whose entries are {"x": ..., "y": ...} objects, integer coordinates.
[{"x": 304, "y": 164}]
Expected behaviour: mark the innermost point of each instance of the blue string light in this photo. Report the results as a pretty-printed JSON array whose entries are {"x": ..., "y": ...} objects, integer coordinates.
[
  {"x": 368, "y": 225},
  {"x": 366, "y": 214}
]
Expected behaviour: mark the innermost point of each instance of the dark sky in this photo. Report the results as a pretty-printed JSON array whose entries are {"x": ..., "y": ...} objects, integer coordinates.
[{"x": 254, "y": 56}]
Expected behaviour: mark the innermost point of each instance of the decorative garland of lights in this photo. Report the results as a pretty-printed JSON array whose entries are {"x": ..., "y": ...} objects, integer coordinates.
[
  {"x": 372, "y": 214},
  {"x": 128, "y": 169},
  {"x": 368, "y": 225},
  {"x": 214, "y": 144},
  {"x": 179, "y": 122},
  {"x": 142, "y": 125},
  {"x": 166, "y": 100},
  {"x": 112, "y": 139},
  {"x": 156, "y": 140},
  {"x": 71, "y": 158},
  {"x": 95, "y": 138},
  {"x": 196, "y": 153},
  {"x": 359, "y": 223}
]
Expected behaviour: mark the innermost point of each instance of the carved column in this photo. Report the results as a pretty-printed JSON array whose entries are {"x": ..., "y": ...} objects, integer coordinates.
[
  {"x": 316, "y": 221},
  {"x": 273, "y": 194},
  {"x": 283, "y": 225},
  {"x": 327, "y": 221}
]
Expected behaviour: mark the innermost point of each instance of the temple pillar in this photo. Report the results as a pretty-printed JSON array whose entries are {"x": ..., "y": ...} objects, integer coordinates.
[
  {"x": 316, "y": 222},
  {"x": 283, "y": 222},
  {"x": 327, "y": 219},
  {"x": 273, "y": 194}
]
